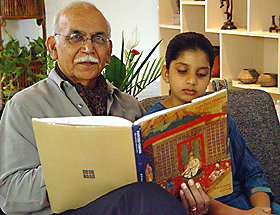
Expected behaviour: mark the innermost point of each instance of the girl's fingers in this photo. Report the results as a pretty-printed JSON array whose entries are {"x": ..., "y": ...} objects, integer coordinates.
[
  {"x": 205, "y": 198},
  {"x": 188, "y": 197},
  {"x": 193, "y": 198},
  {"x": 198, "y": 198},
  {"x": 184, "y": 200}
]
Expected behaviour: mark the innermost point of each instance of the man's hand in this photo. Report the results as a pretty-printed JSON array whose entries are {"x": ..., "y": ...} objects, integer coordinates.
[{"x": 194, "y": 199}]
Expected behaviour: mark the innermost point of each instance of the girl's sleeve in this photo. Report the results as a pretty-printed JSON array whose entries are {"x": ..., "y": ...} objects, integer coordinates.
[{"x": 247, "y": 169}]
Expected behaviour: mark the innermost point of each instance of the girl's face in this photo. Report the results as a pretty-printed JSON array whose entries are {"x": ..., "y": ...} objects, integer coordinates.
[{"x": 188, "y": 77}]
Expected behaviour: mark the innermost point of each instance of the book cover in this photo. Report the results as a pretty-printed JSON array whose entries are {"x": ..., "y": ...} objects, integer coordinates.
[
  {"x": 84, "y": 158},
  {"x": 189, "y": 142}
]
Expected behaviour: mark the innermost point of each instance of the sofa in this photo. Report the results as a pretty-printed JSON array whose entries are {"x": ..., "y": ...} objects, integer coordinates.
[{"x": 254, "y": 112}]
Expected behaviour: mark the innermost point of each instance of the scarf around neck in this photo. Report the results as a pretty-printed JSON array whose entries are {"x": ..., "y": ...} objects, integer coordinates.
[{"x": 96, "y": 98}]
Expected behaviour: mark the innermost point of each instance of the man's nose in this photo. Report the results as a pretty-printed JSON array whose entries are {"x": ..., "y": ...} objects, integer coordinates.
[{"x": 88, "y": 46}]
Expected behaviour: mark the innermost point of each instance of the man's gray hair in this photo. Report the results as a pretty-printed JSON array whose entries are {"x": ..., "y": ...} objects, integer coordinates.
[{"x": 56, "y": 29}]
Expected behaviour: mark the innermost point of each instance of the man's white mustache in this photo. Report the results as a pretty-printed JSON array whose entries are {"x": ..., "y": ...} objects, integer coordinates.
[{"x": 88, "y": 58}]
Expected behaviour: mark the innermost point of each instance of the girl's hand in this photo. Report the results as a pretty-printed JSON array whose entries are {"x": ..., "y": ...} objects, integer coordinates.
[
  {"x": 194, "y": 199},
  {"x": 259, "y": 211},
  {"x": 266, "y": 210}
]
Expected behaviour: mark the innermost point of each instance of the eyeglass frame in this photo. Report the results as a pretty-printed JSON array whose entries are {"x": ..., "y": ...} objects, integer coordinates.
[{"x": 92, "y": 39}]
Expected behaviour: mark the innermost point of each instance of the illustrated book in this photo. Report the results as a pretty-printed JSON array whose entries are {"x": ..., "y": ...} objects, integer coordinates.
[{"x": 86, "y": 157}]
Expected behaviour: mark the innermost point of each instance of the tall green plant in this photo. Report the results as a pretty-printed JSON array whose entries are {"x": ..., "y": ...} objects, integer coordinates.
[
  {"x": 126, "y": 76},
  {"x": 16, "y": 59}
]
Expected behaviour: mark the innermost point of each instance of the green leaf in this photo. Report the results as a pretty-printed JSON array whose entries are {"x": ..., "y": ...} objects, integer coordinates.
[
  {"x": 115, "y": 72},
  {"x": 29, "y": 71},
  {"x": 29, "y": 79},
  {"x": 124, "y": 75},
  {"x": 18, "y": 70},
  {"x": 14, "y": 54},
  {"x": 41, "y": 76},
  {"x": 25, "y": 62}
]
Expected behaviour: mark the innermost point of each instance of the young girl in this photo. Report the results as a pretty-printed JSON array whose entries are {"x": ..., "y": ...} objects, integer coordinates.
[{"x": 189, "y": 60}]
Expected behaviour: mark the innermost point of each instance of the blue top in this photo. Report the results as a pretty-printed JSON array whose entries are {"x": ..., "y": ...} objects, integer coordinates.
[{"x": 248, "y": 175}]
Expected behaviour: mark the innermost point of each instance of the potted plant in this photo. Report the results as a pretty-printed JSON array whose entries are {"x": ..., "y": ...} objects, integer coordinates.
[
  {"x": 22, "y": 66},
  {"x": 125, "y": 73}
]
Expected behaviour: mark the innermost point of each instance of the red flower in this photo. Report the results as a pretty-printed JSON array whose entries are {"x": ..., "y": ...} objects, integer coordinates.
[{"x": 135, "y": 52}]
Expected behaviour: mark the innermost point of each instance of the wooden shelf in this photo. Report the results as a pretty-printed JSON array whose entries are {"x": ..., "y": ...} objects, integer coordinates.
[
  {"x": 238, "y": 84},
  {"x": 251, "y": 45},
  {"x": 176, "y": 27},
  {"x": 193, "y": 2}
]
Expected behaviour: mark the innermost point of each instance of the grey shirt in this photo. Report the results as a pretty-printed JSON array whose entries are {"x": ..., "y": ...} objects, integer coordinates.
[{"x": 22, "y": 186}]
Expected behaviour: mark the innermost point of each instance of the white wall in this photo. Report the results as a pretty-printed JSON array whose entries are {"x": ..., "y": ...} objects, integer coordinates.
[{"x": 122, "y": 14}]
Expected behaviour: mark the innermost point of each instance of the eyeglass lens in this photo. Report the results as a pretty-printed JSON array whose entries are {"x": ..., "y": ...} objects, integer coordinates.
[{"x": 75, "y": 38}]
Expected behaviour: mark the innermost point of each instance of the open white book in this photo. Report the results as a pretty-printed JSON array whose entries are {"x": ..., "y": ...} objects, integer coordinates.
[{"x": 86, "y": 157}]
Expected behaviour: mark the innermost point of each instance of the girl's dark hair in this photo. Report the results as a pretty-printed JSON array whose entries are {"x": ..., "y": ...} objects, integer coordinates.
[{"x": 186, "y": 41}]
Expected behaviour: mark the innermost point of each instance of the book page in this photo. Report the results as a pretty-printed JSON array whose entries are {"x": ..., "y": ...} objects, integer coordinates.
[{"x": 88, "y": 120}]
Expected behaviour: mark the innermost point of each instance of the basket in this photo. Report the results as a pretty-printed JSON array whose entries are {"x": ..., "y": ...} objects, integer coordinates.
[{"x": 21, "y": 9}]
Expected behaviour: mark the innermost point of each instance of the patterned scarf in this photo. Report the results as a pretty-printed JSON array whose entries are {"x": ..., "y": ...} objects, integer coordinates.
[{"x": 96, "y": 98}]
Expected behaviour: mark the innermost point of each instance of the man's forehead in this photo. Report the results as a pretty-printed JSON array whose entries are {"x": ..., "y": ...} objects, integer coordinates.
[
  {"x": 90, "y": 22},
  {"x": 81, "y": 10},
  {"x": 87, "y": 32}
]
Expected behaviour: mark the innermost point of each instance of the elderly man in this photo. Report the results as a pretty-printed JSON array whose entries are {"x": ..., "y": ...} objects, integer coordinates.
[{"x": 82, "y": 46}]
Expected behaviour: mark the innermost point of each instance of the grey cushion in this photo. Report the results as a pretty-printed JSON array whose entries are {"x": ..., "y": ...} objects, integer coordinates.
[{"x": 254, "y": 113}]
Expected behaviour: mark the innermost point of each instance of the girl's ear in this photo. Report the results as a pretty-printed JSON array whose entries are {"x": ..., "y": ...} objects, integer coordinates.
[{"x": 165, "y": 74}]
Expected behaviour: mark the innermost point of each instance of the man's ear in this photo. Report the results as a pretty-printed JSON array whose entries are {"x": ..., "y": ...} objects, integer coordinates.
[
  {"x": 51, "y": 45},
  {"x": 165, "y": 74},
  {"x": 109, "y": 52}
]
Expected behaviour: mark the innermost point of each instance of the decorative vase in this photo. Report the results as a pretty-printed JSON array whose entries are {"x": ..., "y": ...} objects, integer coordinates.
[
  {"x": 248, "y": 76},
  {"x": 273, "y": 26},
  {"x": 267, "y": 80},
  {"x": 176, "y": 16},
  {"x": 176, "y": 19}
]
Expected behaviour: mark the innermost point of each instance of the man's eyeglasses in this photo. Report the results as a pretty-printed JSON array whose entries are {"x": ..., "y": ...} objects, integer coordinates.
[{"x": 79, "y": 39}]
